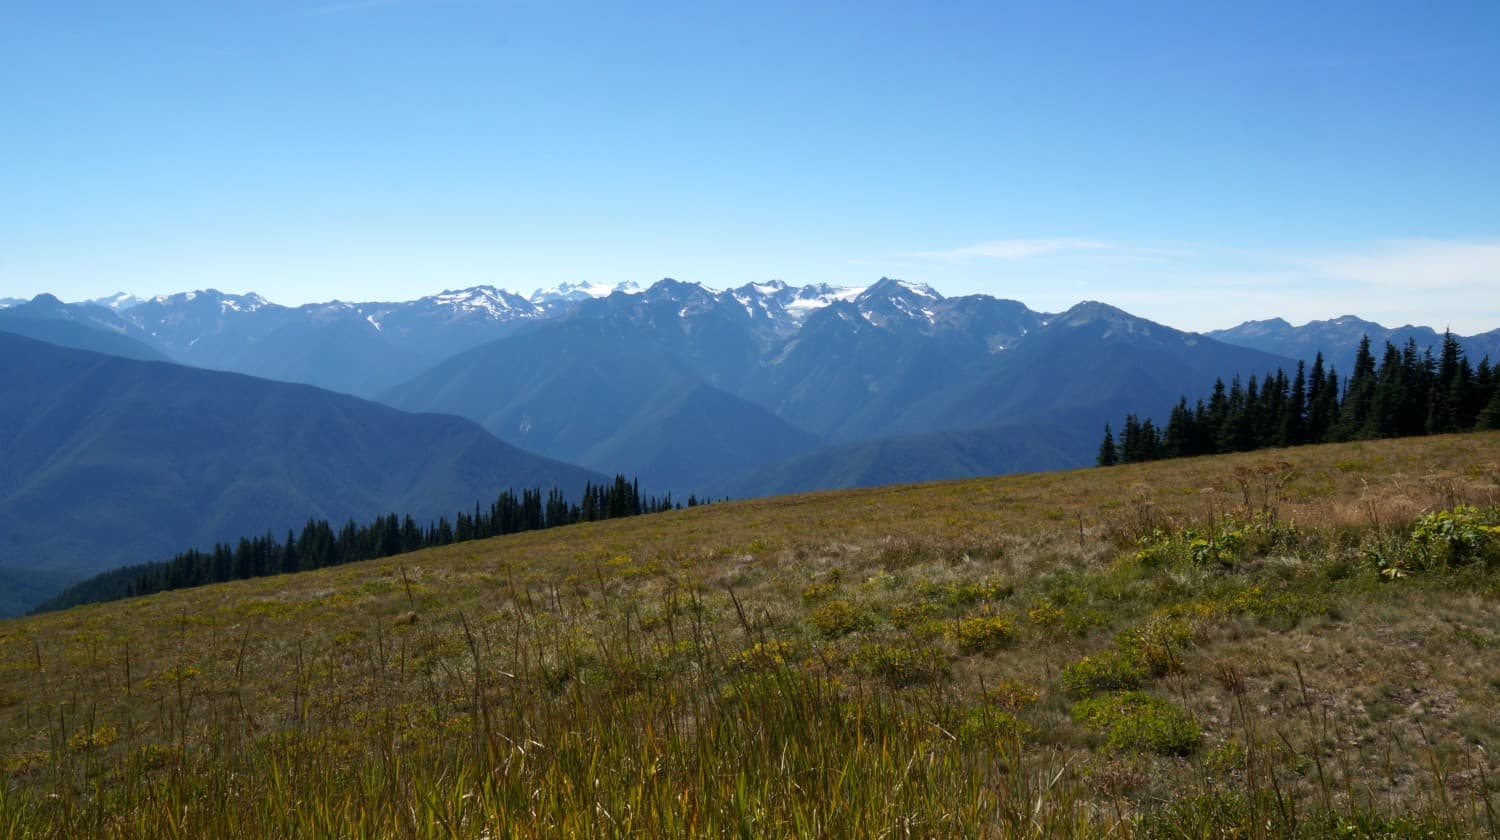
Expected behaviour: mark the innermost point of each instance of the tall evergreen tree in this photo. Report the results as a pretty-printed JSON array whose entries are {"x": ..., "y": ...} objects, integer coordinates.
[
  {"x": 1108, "y": 457},
  {"x": 1359, "y": 396},
  {"x": 1293, "y": 430},
  {"x": 1489, "y": 416}
]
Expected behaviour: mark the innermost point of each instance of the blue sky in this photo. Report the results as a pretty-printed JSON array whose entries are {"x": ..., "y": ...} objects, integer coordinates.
[{"x": 1196, "y": 163}]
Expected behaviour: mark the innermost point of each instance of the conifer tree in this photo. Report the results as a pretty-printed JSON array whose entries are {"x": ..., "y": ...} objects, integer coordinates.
[
  {"x": 1489, "y": 416},
  {"x": 1359, "y": 396},
  {"x": 1107, "y": 455},
  {"x": 1293, "y": 431}
]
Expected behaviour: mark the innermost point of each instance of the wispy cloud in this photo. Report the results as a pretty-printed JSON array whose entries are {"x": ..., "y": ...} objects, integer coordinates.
[
  {"x": 1199, "y": 285},
  {"x": 1416, "y": 264},
  {"x": 1018, "y": 250}
]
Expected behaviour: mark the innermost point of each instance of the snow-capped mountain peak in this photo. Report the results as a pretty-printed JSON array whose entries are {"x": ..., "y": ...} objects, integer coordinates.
[
  {"x": 119, "y": 301},
  {"x": 891, "y": 301},
  {"x": 481, "y": 300},
  {"x": 573, "y": 292},
  {"x": 249, "y": 302},
  {"x": 810, "y": 299}
]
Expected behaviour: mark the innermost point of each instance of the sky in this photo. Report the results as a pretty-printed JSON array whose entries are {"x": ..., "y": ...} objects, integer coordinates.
[{"x": 1199, "y": 164}]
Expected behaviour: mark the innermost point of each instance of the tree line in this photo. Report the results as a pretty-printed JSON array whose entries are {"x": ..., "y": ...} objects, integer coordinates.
[
  {"x": 1405, "y": 392},
  {"x": 320, "y": 544}
]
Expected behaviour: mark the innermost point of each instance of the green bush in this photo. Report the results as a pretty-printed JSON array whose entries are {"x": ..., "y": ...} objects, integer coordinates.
[
  {"x": 1112, "y": 670},
  {"x": 1155, "y": 647},
  {"x": 989, "y": 725},
  {"x": 839, "y": 618},
  {"x": 982, "y": 633},
  {"x": 1137, "y": 721},
  {"x": 1157, "y": 550},
  {"x": 1214, "y": 548},
  {"x": 900, "y": 665},
  {"x": 1455, "y": 537}
]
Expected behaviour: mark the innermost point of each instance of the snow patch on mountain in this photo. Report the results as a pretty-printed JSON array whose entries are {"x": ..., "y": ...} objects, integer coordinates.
[
  {"x": 484, "y": 301},
  {"x": 574, "y": 292},
  {"x": 242, "y": 303},
  {"x": 810, "y": 299},
  {"x": 119, "y": 301}
]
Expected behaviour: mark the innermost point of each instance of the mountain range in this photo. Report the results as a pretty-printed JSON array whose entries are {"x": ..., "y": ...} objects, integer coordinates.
[
  {"x": 1338, "y": 338},
  {"x": 765, "y": 388},
  {"x": 697, "y": 390}
]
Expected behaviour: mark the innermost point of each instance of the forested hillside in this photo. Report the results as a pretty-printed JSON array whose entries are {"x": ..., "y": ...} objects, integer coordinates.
[
  {"x": 1404, "y": 393},
  {"x": 111, "y": 461}
]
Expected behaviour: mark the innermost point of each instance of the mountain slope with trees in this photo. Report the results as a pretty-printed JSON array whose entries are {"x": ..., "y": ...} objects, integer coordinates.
[
  {"x": 111, "y": 461},
  {"x": 1405, "y": 393},
  {"x": 81, "y": 326}
]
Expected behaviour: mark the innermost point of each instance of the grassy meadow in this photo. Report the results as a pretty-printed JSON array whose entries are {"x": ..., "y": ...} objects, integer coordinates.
[{"x": 1289, "y": 643}]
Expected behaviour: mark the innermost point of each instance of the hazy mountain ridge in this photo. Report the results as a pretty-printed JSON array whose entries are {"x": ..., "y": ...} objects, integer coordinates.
[
  {"x": 606, "y": 391},
  {"x": 81, "y": 326},
  {"x": 110, "y": 461},
  {"x": 894, "y": 361},
  {"x": 748, "y": 377},
  {"x": 1338, "y": 338},
  {"x": 384, "y": 343}
]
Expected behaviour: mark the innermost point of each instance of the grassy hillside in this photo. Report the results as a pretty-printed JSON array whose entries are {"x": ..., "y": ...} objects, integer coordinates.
[{"x": 1282, "y": 643}]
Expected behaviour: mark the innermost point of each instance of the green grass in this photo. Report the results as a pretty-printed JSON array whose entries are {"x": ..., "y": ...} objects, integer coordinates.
[{"x": 1137, "y": 651}]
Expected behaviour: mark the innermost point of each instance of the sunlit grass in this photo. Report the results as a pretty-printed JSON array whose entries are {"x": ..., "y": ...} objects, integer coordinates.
[{"x": 1166, "y": 650}]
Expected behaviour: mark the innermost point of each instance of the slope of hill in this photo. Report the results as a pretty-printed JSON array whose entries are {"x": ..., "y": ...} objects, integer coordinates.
[
  {"x": 1090, "y": 364},
  {"x": 84, "y": 327},
  {"x": 932, "y": 456},
  {"x": 80, "y": 337},
  {"x": 605, "y": 393},
  {"x": 110, "y": 461},
  {"x": 1206, "y": 647}
]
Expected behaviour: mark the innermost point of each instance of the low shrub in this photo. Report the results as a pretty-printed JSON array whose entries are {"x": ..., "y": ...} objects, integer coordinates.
[
  {"x": 1137, "y": 721},
  {"x": 1156, "y": 646},
  {"x": 1455, "y": 537},
  {"x": 1111, "y": 670},
  {"x": 839, "y": 618},
  {"x": 989, "y": 725},
  {"x": 900, "y": 665},
  {"x": 982, "y": 634}
]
